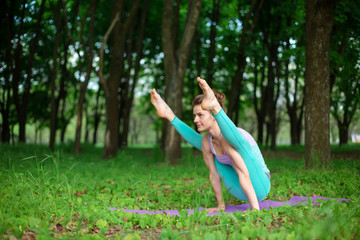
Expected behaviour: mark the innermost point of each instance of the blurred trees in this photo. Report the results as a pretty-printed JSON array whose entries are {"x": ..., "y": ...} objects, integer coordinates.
[
  {"x": 20, "y": 54},
  {"x": 345, "y": 72},
  {"x": 64, "y": 60}
]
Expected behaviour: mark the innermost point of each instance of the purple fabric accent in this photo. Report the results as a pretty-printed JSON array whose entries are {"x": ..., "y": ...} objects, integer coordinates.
[
  {"x": 224, "y": 159},
  {"x": 243, "y": 207},
  {"x": 247, "y": 136}
]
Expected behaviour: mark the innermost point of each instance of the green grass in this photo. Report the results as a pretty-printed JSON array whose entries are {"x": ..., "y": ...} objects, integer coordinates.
[{"x": 65, "y": 195}]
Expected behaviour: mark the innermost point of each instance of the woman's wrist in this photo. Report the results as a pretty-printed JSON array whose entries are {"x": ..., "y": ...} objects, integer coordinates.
[{"x": 216, "y": 109}]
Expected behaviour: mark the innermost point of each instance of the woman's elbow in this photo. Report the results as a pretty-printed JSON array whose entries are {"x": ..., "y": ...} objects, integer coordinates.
[{"x": 244, "y": 176}]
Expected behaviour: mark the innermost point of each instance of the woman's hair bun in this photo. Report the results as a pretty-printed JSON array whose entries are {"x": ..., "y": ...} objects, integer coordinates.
[{"x": 219, "y": 96}]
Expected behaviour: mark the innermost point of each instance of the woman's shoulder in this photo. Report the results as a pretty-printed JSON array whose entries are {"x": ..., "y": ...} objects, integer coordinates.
[{"x": 205, "y": 138}]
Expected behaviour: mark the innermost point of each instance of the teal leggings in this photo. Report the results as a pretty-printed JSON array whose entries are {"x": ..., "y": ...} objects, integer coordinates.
[{"x": 250, "y": 155}]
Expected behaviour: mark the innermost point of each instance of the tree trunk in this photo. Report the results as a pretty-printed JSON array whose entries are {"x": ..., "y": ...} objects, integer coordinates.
[
  {"x": 261, "y": 110},
  {"x": 83, "y": 85},
  {"x": 65, "y": 73},
  {"x": 268, "y": 133},
  {"x": 6, "y": 91},
  {"x": 292, "y": 107},
  {"x": 97, "y": 116},
  {"x": 271, "y": 101},
  {"x": 276, "y": 117},
  {"x": 125, "y": 85},
  {"x": 87, "y": 124},
  {"x": 12, "y": 135},
  {"x": 319, "y": 23},
  {"x": 131, "y": 87},
  {"x": 64, "y": 122},
  {"x": 53, "y": 105},
  {"x": 111, "y": 134},
  {"x": 63, "y": 93},
  {"x": 291, "y": 110},
  {"x": 170, "y": 33},
  {"x": 125, "y": 105},
  {"x": 16, "y": 74},
  {"x": 175, "y": 62},
  {"x": 343, "y": 133},
  {"x": 5, "y": 111},
  {"x": 293, "y": 128},
  {"x": 300, "y": 122},
  {"x": 5, "y": 127},
  {"x": 79, "y": 111}
]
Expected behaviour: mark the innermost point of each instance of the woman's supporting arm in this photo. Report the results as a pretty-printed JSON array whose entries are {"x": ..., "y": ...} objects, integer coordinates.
[{"x": 213, "y": 176}]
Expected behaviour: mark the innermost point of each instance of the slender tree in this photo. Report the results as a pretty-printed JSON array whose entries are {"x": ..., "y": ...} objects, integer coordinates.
[
  {"x": 259, "y": 97},
  {"x": 53, "y": 105},
  {"x": 294, "y": 96},
  {"x": 131, "y": 80},
  {"x": 89, "y": 55},
  {"x": 64, "y": 97},
  {"x": 97, "y": 115}
]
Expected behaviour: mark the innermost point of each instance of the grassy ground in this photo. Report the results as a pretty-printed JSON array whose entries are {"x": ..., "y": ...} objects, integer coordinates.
[{"x": 63, "y": 195}]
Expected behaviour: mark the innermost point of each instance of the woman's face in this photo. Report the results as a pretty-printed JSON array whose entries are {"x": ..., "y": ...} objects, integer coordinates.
[{"x": 203, "y": 119}]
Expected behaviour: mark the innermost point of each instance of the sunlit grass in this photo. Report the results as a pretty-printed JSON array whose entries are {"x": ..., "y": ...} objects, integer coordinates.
[{"x": 68, "y": 195}]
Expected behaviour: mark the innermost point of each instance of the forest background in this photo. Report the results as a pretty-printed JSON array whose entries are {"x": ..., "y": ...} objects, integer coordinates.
[{"x": 81, "y": 71}]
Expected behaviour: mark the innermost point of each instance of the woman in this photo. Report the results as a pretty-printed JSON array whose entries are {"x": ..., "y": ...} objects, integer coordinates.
[{"x": 225, "y": 143}]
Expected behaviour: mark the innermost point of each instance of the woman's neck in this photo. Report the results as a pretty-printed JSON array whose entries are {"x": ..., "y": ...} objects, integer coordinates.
[{"x": 215, "y": 132}]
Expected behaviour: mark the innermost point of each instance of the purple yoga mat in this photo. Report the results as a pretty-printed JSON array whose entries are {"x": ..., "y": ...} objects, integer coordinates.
[{"x": 243, "y": 207}]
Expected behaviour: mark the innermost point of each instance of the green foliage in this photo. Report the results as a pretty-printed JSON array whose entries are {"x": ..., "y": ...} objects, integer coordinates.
[
  {"x": 278, "y": 21},
  {"x": 67, "y": 196}
]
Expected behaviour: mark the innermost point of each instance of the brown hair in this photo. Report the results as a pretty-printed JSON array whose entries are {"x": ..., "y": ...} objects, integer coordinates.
[{"x": 220, "y": 97}]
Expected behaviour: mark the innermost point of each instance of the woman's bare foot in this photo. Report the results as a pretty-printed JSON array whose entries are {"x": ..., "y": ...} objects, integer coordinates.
[
  {"x": 210, "y": 102},
  {"x": 163, "y": 110}
]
